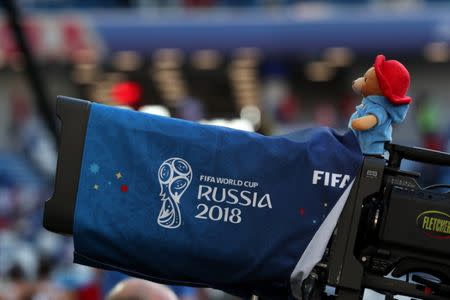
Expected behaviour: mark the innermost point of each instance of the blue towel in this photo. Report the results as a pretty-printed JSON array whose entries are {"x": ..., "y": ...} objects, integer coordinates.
[{"x": 178, "y": 202}]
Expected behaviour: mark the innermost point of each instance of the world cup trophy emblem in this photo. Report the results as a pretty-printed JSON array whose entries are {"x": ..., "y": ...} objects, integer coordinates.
[{"x": 175, "y": 176}]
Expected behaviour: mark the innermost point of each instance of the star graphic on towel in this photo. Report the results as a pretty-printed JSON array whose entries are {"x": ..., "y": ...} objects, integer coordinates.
[
  {"x": 96, "y": 186},
  {"x": 119, "y": 175},
  {"x": 94, "y": 168}
]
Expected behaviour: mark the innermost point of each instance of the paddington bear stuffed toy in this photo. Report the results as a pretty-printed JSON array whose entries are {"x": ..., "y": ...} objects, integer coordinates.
[{"x": 384, "y": 88}]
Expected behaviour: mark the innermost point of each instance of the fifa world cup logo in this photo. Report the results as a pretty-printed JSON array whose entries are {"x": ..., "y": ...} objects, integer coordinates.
[{"x": 174, "y": 175}]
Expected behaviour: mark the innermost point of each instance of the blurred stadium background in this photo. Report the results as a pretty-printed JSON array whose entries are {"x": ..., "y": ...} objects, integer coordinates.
[{"x": 269, "y": 66}]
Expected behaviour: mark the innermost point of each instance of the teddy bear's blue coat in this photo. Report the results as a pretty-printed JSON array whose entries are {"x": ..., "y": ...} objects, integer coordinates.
[{"x": 372, "y": 140}]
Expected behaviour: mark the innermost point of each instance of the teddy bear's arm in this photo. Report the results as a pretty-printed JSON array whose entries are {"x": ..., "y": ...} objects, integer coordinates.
[{"x": 364, "y": 123}]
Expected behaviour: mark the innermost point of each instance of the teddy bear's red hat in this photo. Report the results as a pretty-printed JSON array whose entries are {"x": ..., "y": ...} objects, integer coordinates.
[{"x": 393, "y": 79}]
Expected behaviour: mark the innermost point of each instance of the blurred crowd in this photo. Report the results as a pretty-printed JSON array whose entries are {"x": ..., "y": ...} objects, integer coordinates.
[
  {"x": 243, "y": 90},
  {"x": 36, "y": 264}
]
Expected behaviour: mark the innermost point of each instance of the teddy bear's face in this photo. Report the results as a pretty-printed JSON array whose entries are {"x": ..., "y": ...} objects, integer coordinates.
[{"x": 367, "y": 85}]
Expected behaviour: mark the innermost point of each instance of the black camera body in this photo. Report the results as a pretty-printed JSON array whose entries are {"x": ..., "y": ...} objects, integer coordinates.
[{"x": 389, "y": 226}]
